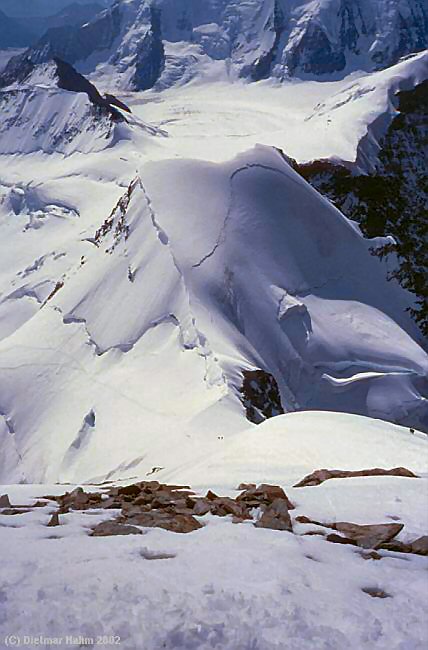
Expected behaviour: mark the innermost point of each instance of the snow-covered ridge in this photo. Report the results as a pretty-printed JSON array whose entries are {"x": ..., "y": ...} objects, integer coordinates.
[
  {"x": 200, "y": 272},
  {"x": 170, "y": 41}
]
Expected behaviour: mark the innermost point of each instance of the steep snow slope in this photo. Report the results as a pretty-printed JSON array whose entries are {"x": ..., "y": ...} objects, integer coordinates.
[
  {"x": 173, "y": 40},
  {"x": 201, "y": 271}
]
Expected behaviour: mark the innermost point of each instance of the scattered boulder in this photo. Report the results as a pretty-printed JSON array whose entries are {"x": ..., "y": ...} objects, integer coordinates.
[
  {"x": 263, "y": 494},
  {"x": 108, "y": 528},
  {"x": 4, "y": 501},
  {"x": 367, "y": 536},
  {"x": 276, "y": 516},
  {"x": 54, "y": 520},
  {"x": 418, "y": 546},
  {"x": 224, "y": 506},
  {"x": 371, "y": 555},
  {"x": 169, "y": 521},
  {"x": 374, "y": 592},
  {"x": 321, "y": 475}
]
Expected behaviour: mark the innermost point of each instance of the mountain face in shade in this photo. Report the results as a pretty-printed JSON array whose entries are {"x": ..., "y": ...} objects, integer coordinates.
[
  {"x": 171, "y": 39},
  {"x": 13, "y": 34}
]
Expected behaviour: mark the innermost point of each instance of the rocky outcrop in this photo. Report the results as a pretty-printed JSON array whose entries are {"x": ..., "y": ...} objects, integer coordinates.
[
  {"x": 150, "y": 56},
  {"x": 260, "y": 395},
  {"x": 257, "y": 39},
  {"x": 321, "y": 475},
  {"x": 71, "y": 80}
]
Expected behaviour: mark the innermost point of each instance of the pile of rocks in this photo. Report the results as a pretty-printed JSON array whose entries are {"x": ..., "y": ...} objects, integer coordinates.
[
  {"x": 174, "y": 507},
  {"x": 151, "y": 504}
]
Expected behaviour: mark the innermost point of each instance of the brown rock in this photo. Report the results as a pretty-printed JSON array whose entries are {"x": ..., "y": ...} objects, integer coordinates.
[
  {"x": 224, "y": 506},
  {"x": 264, "y": 493},
  {"x": 14, "y": 511},
  {"x": 202, "y": 507},
  {"x": 160, "y": 519},
  {"x": 370, "y": 555},
  {"x": 338, "y": 539},
  {"x": 142, "y": 500},
  {"x": 54, "y": 520},
  {"x": 276, "y": 516},
  {"x": 113, "y": 503},
  {"x": 396, "y": 547},
  {"x": 420, "y": 545},
  {"x": 246, "y": 486},
  {"x": 302, "y": 519},
  {"x": 129, "y": 490},
  {"x": 321, "y": 475},
  {"x": 4, "y": 501},
  {"x": 374, "y": 592},
  {"x": 211, "y": 496},
  {"x": 107, "y": 528},
  {"x": 372, "y": 536}
]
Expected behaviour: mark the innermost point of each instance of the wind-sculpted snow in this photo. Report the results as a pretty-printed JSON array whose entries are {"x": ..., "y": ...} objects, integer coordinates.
[{"x": 200, "y": 271}]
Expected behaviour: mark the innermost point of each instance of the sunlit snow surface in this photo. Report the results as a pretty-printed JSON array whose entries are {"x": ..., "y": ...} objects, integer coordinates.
[
  {"x": 226, "y": 260},
  {"x": 233, "y": 586},
  {"x": 123, "y": 353}
]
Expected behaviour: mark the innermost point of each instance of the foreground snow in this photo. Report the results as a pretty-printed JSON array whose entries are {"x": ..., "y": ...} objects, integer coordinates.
[{"x": 235, "y": 586}]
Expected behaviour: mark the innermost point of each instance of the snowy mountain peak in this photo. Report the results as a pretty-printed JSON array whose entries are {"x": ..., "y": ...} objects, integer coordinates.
[{"x": 170, "y": 41}]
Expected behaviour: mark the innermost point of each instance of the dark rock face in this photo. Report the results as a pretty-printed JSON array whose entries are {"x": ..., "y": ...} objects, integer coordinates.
[
  {"x": 262, "y": 67},
  {"x": 150, "y": 58},
  {"x": 260, "y": 396},
  {"x": 71, "y": 80},
  {"x": 392, "y": 199},
  {"x": 315, "y": 54}
]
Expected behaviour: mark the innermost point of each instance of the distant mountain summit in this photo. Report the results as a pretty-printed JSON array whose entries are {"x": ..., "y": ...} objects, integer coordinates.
[{"x": 165, "y": 42}]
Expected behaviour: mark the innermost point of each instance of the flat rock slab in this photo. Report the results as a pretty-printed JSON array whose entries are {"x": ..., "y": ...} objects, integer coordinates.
[
  {"x": 108, "y": 528},
  {"x": 173, "y": 522},
  {"x": 321, "y": 475},
  {"x": 368, "y": 536}
]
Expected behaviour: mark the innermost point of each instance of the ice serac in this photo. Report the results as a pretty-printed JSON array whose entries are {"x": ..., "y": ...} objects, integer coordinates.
[
  {"x": 202, "y": 275},
  {"x": 149, "y": 42}
]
